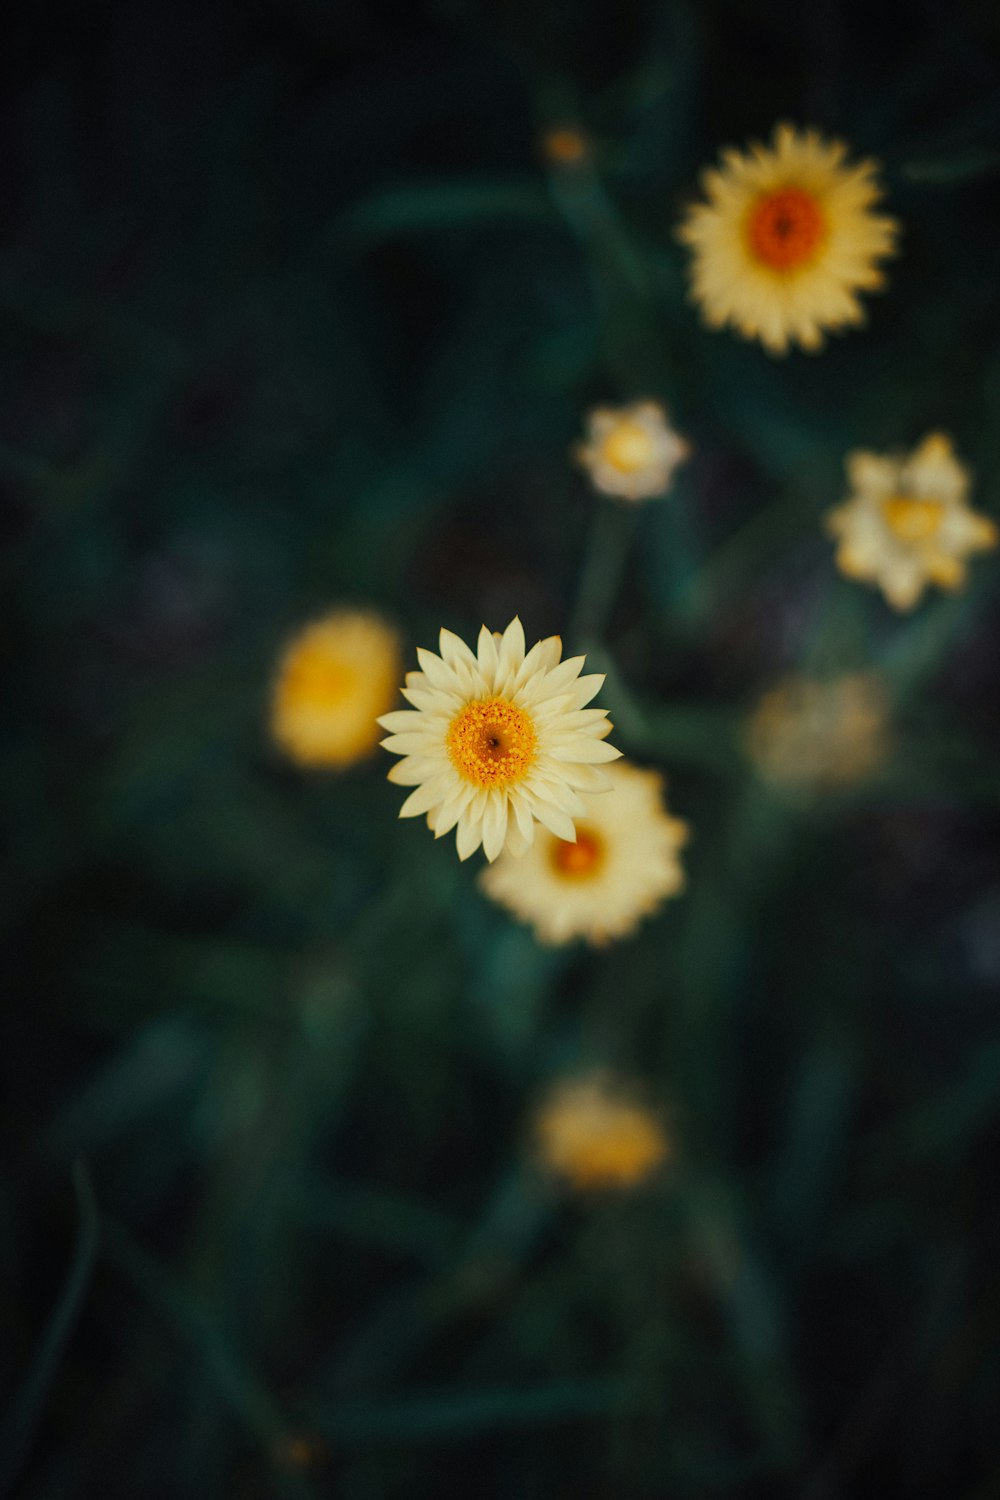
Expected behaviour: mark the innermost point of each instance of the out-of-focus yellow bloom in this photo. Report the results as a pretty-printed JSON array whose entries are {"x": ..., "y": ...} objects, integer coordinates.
[
  {"x": 631, "y": 452},
  {"x": 623, "y": 865},
  {"x": 335, "y": 678},
  {"x": 786, "y": 240},
  {"x": 809, "y": 734},
  {"x": 907, "y": 523},
  {"x": 499, "y": 741},
  {"x": 564, "y": 145},
  {"x": 593, "y": 1134}
]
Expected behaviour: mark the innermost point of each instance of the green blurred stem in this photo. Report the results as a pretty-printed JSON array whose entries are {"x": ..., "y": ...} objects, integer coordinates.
[
  {"x": 611, "y": 533},
  {"x": 245, "y": 1394},
  {"x": 25, "y": 1411}
]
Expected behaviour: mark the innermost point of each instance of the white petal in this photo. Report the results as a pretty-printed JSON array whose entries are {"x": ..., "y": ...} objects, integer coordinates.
[
  {"x": 487, "y": 654},
  {"x": 400, "y": 720},
  {"x": 450, "y": 811},
  {"x": 424, "y": 798},
  {"x": 589, "y": 752},
  {"x": 494, "y": 826},
  {"x": 559, "y": 823},
  {"x": 468, "y": 837},
  {"x": 413, "y": 770},
  {"x": 454, "y": 650},
  {"x": 420, "y": 742},
  {"x": 512, "y": 646},
  {"x": 437, "y": 672}
]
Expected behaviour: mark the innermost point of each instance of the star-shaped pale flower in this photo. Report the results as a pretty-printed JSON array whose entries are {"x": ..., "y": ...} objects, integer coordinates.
[
  {"x": 813, "y": 735},
  {"x": 631, "y": 452},
  {"x": 785, "y": 240},
  {"x": 624, "y": 864},
  {"x": 907, "y": 523},
  {"x": 499, "y": 741}
]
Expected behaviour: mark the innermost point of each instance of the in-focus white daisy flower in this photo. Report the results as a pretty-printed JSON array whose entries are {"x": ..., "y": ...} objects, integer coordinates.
[
  {"x": 499, "y": 741},
  {"x": 907, "y": 522},
  {"x": 631, "y": 452},
  {"x": 623, "y": 865}
]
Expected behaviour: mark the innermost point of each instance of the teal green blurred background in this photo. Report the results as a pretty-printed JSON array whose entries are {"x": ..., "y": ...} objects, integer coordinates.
[{"x": 296, "y": 314}]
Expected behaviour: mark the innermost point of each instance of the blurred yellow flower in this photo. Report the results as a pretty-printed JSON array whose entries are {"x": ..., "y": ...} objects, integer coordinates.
[
  {"x": 809, "y": 734},
  {"x": 623, "y": 865},
  {"x": 906, "y": 523},
  {"x": 564, "y": 145},
  {"x": 593, "y": 1134},
  {"x": 786, "y": 240},
  {"x": 631, "y": 452},
  {"x": 335, "y": 678},
  {"x": 498, "y": 741}
]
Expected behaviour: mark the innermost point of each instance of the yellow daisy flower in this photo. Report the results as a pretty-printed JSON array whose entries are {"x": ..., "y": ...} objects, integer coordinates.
[
  {"x": 334, "y": 679},
  {"x": 623, "y": 865},
  {"x": 498, "y": 741},
  {"x": 786, "y": 240},
  {"x": 593, "y": 1134},
  {"x": 631, "y": 452},
  {"x": 810, "y": 735},
  {"x": 906, "y": 523}
]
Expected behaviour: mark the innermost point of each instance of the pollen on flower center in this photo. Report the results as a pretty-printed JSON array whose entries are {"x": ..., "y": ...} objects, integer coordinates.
[
  {"x": 785, "y": 229},
  {"x": 491, "y": 742},
  {"x": 579, "y": 860},
  {"x": 628, "y": 448},
  {"x": 913, "y": 520}
]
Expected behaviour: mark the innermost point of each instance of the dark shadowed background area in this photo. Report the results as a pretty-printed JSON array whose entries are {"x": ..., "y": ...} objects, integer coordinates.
[{"x": 295, "y": 313}]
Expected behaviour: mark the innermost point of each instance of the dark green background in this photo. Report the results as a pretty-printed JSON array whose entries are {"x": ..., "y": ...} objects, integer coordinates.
[{"x": 293, "y": 314}]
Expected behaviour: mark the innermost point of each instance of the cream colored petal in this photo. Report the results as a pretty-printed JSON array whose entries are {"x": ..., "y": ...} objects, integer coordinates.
[
  {"x": 587, "y": 752},
  {"x": 425, "y": 797},
  {"x": 494, "y": 826},
  {"x": 469, "y": 836},
  {"x": 418, "y": 742},
  {"x": 413, "y": 769},
  {"x": 454, "y": 650}
]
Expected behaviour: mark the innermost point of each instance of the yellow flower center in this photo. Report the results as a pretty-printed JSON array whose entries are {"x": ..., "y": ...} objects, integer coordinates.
[
  {"x": 913, "y": 520},
  {"x": 580, "y": 860},
  {"x": 628, "y": 447},
  {"x": 491, "y": 742},
  {"x": 785, "y": 229}
]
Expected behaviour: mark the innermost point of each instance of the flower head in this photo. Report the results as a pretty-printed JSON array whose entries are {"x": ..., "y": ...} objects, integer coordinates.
[
  {"x": 807, "y": 734},
  {"x": 786, "y": 240},
  {"x": 631, "y": 452},
  {"x": 623, "y": 865},
  {"x": 564, "y": 145},
  {"x": 498, "y": 741},
  {"x": 334, "y": 679},
  {"x": 594, "y": 1134},
  {"x": 906, "y": 523}
]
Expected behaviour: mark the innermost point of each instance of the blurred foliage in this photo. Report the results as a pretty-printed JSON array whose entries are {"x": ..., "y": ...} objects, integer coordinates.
[{"x": 293, "y": 313}]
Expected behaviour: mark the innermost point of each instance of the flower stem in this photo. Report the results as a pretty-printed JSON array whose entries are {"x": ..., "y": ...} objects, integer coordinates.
[{"x": 611, "y": 533}]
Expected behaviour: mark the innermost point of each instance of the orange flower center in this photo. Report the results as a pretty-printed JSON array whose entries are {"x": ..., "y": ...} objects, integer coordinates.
[
  {"x": 628, "y": 447},
  {"x": 491, "y": 742},
  {"x": 579, "y": 860},
  {"x": 912, "y": 520},
  {"x": 785, "y": 229}
]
